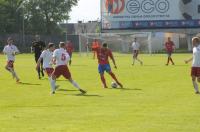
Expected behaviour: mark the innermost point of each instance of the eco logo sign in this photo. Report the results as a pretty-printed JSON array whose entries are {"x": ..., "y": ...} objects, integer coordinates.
[
  {"x": 147, "y": 6},
  {"x": 115, "y": 6}
]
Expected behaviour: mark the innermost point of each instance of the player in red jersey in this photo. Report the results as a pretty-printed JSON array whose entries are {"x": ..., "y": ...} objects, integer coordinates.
[
  {"x": 95, "y": 47},
  {"x": 169, "y": 46},
  {"x": 60, "y": 58},
  {"x": 70, "y": 49},
  {"x": 103, "y": 53}
]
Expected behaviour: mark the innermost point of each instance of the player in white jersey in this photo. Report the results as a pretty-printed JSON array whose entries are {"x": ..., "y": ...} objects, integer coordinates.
[
  {"x": 136, "y": 47},
  {"x": 46, "y": 56},
  {"x": 10, "y": 51},
  {"x": 60, "y": 59},
  {"x": 195, "y": 70}
]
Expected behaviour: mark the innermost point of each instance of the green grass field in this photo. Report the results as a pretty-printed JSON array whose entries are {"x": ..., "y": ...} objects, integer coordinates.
[{"x": 156, "y": 98}]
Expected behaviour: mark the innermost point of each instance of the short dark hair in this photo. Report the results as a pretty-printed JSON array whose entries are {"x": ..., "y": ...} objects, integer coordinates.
[
  {"x": 50, "y": 45},
  {"x": 9, "y": 38},
  {"x": 105, "y": 45},
  {"x": 62, "y": 44}
]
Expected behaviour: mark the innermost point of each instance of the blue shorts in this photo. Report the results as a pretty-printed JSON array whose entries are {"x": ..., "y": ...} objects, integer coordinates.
[{"x": 104, "y": 67}]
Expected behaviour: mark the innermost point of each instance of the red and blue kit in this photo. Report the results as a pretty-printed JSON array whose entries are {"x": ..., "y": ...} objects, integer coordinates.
[{"x": 103, "y": 55}]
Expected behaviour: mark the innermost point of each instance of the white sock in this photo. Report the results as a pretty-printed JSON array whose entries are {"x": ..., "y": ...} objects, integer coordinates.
[
  {"x": 15, "y": 75},
  {"x": 53, "y": 84},
  {"x": 133, "y": 61},
  {"x": 196, "y": 87},
  {"x": 75, "y": 84}
]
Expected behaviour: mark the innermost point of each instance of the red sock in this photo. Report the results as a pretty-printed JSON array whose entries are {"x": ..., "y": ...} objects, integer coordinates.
[
  {"x": 113, "y": 76},
  {"x": 103, "y": 81}
]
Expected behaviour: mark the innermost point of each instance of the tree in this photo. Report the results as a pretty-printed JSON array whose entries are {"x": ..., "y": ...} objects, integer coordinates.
[
  {"x": 10, "y": 21},
  {"x": 43, "y": 16}
]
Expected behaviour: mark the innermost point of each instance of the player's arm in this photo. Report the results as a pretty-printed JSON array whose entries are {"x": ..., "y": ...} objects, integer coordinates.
[
  {"x": 189, "y": 60},
  {"x": 112, "y": 58},
  {"x": 16, "y": 51}
]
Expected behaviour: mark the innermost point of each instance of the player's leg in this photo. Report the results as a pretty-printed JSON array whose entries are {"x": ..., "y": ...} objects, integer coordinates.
[
  {"x": 41, "y": 68},
  {"x": 66, "y": 73},
  {"x": 75, "y": 84},
  {"x": 38, "y": 70},
  {"x": 10, "y": 68},
  {"x": 108, "y": 70},
  {"x": 194, "y": 72},
  {"x": 101, "y": 69},
  {"x": 134, "y": 57},
  {"x": 195, "y": 85},
  {"x": 170, "y": 58},
  {"x": 70, "y": 61}
]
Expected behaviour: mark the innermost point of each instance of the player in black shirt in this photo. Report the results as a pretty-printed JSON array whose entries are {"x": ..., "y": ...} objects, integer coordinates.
[{"x": 38, "y": 46}]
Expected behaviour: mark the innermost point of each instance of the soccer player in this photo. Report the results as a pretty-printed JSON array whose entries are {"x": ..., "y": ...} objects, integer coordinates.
[
  {"x": 95, "y": 46},
  {"x": 11, "y": 50},
  {"x": 169, "y": 46},
  {"x": 195, "y": 71},
  {"x": 60, "y": 59},
  {"x": 46, "y": 56},
  {"x": 103, "y": 53},
  {"x": 38, "y": 47},
  {"x": 136, "y": 48},
  {"x": 69, "y": 48}
]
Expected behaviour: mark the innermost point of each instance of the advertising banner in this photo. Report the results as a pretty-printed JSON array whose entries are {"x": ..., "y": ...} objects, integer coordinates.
[{"x": 150, "y": 14}]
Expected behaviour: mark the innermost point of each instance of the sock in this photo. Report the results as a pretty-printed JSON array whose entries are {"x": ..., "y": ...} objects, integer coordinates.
[
  {"x": 133, "y": 61},
  {"x": 139, "y": 60},
  {"x": 38, "y": 72},
  {"x": 15, "y": 75},
  {"x": 75, "y": 84},
  {"x": 53, "y": 84},
  {"x": 168, "y": 60},
  {"x": 195, "y": 86},
  {"x": 103, "y": 80},
  {"x": 171, "y": 60},
  {"x": 114, "y": 77}
]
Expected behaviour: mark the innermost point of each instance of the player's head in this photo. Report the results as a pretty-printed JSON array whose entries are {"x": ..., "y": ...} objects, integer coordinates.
[
  {"x": 51, "y": 46},
  {"x": 105, "y": 45},
  {"x": 10, "y": 40},
  {"x": 195, "y": 41},
  {"x": 37, "y": 37},
  {"x": 62, "y": 44},
  {"x": 135, "y": 39},
  {"x": 169, "y": 38}
]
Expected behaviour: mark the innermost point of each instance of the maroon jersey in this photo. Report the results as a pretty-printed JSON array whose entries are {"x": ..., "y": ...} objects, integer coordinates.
[
  {"x": 69, "y": 47},
  {"x": 169, "y": 46},
  {"x": 103, "y": 54}
]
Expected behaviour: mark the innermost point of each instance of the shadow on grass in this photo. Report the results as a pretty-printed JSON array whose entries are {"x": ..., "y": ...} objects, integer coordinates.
[
  {"x": 135, "y": 89},
  {"x": 82, "y": 95},
  {"x": 23, "y": 83},
  {"x": 60, "y": 89}
]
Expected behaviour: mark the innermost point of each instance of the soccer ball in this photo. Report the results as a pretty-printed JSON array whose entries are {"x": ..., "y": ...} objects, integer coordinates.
[
  {"x": 114, "y": 85},
  {"x": 190, "y": 9}
]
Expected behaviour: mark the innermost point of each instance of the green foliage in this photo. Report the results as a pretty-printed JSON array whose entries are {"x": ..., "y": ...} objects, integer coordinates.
[
  {"x": 156, "y": 98},
  {"x": 40, "y": 16}
]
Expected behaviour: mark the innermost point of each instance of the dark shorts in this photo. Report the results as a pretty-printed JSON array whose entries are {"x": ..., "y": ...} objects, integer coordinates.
[
  {"x": 110, "y": 8},
  {"x": 169, "y": 53},
  {"x": 135, "y": 53},
  {"x": 195, "y": 71},
  {"x": 104, "y": 67},
  {"x": 10, "y": 64},
  {"x": 49, "y": 71},
  {"x": 62, "y": 70},
  {"x": 70, "y": 54}
]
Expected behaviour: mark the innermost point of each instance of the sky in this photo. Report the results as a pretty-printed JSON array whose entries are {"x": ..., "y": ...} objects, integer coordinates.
[{"x": 86, "y": 10}]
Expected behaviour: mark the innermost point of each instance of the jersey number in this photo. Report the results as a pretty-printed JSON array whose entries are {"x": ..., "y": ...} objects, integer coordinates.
[{"x": 63, "y": 57}]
